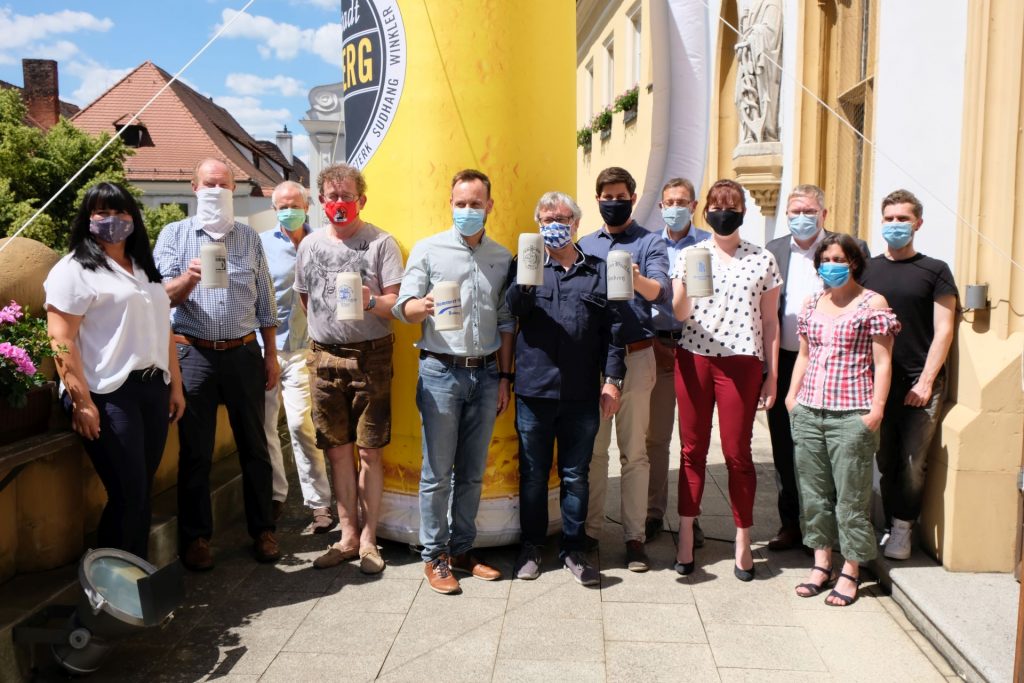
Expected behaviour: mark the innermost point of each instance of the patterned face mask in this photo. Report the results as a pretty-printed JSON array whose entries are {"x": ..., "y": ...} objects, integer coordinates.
[
  {"x": 112, "y": 229},
  {"x": 556, "y": 235}
]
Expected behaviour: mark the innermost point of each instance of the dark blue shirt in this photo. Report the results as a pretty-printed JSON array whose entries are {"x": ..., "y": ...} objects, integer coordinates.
[
  {"x": 565, "y": 341},
  {"x": 648, "y": 251}
]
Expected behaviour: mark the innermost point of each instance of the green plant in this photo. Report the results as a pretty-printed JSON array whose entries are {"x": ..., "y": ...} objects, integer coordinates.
[
  {"x": 602, "y": 121},
  {"x": 628, "y": 100},
  {"x": 24, "y": 343},
  {"x": 583, "y": 137}
]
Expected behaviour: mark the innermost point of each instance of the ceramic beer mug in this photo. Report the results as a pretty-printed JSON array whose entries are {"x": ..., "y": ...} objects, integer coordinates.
[
  {"x": 698, "y": 273},
  {"x": 447, "y": 306},
  {"x": 620, "y": 276},
  {"x": 348, "y": 302},
  {"x": 530, "y": 268},
  {"x": 213, "y": 259}
]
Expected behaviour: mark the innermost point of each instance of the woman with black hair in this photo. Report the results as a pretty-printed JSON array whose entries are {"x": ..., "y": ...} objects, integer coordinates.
[
  {"x": 835, "y": 402},
  {"x": 109, "y": 320}
]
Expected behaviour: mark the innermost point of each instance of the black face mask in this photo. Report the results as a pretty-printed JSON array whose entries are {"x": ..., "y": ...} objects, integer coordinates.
[
  {"x": 724, "y": 222},
  {"x": 615, "y": 212}
]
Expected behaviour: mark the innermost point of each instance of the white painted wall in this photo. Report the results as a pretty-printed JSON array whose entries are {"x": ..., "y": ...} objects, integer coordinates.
[{"x": 919, "y": 115}]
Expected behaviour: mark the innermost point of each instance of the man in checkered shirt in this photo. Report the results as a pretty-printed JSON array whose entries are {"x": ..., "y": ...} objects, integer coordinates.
[{"x": 221, "y": 361}]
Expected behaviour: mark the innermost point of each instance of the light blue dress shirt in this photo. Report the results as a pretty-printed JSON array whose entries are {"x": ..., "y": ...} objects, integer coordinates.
[
  {"x": 291, "y": 319},
  {"x": 661, "y": 314},
  {"x": 481, "y": 274},
  {"x": 218, "y": 314}
]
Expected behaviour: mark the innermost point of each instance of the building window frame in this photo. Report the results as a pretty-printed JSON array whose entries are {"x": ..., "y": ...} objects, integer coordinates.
[
  {"x": 609, "y": 69},
  {"x": 635, "y": 16}
]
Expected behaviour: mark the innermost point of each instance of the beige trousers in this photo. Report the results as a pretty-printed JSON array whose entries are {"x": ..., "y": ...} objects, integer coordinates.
[
  {"x": 659, "y": 432},
  {"x": 631, "y": 437}
]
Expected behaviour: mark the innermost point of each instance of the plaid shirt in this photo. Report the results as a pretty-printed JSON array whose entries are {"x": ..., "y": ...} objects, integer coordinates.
[
  {"x": 217, "y": 314},
  {"x": 839, "y": 374}
]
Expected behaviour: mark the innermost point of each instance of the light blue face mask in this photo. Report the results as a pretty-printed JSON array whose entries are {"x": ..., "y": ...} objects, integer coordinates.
[
  {"x": 676, "y": 217},
  {"x": 291, "y": 218},
  {"x": 897, "y": 235},
  {"x": 468, "y": 221},
  {"x": 834, "y": 274},
  {"x": 803, "y": 227}
]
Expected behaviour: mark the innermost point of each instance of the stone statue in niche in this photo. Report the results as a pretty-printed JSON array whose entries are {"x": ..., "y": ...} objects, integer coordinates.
[{"x": 758, "y": 76}]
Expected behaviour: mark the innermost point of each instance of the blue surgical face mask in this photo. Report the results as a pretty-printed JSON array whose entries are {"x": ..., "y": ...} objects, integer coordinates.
[
  {"x": 556, "y": 235},
  {"x": 897, "y": 235},
  {"x": 676, "y": 217},
  {"x": 468, "y": 221},
  {"x": 803, "y": 227},
  {"x": 291, "y": 218},
  {"x": 834, "y": 274}
]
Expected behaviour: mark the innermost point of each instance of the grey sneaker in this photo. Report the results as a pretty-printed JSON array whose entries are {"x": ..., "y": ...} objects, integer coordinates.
[
  {"x": 528, "y": 564},
  {"x": 581, "y": 570}
]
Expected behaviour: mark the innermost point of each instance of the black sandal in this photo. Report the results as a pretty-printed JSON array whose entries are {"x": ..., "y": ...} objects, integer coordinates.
[
  {"x": 816, "y": 588},
  {"x": 846, "y": 600}
]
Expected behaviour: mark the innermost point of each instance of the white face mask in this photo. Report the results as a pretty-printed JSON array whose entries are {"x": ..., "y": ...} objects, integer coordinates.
[{"x": 215, "y": 210}]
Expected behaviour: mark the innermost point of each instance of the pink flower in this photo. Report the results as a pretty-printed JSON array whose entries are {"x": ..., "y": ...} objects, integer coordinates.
[
  {"x": 19, "y": 357},
  {"x": 10, "y": 313}
]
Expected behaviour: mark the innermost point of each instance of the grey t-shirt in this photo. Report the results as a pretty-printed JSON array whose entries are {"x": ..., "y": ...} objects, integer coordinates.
[{"x": 371, "y": 252}]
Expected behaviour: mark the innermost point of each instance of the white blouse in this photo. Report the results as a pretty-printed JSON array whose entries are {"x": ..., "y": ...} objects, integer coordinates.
[
  {"x": 125, "y": 324},
  {"x": 728, "y": 323}
]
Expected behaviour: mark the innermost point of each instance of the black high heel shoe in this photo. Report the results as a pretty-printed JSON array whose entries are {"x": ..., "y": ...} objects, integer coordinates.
[
  {"x": 744, "y": 574},
  {"x": 686, "y": 568}
]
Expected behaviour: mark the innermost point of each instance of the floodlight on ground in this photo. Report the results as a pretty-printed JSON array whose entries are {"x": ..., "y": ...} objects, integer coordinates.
[{"x": 121, "y": 593}]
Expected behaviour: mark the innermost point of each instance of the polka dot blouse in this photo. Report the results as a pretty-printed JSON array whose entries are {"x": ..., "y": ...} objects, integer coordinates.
[{"x": 728, "y": 323}]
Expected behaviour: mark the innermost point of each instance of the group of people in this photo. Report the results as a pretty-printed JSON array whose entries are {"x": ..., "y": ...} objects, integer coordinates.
[{"x": 803, "y": 328}]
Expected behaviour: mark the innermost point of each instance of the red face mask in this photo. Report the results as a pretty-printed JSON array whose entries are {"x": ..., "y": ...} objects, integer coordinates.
[{"x": 341, "y": 213}]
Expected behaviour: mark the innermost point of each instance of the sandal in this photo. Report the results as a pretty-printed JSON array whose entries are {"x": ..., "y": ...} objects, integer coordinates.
[
  {"x": 814, "y": 589},
  {"x": 845, "y": 600}
]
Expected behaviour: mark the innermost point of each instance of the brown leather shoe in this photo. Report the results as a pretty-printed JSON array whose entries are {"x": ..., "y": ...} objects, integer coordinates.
[
  {"x": 335, "y": 555},
  {"x": 787, "y": 538},
  {"x": 265, "y": 548},
  {"x": 439, "y": 576},
  {"x": 466, "y": 563},
  {"x": 198, "y": 557}
]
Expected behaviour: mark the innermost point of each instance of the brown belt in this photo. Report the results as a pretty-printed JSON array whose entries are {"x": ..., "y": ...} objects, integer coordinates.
[
  {"x": 341, "y": 349},
  {"x": 220, "y": 345},
  {"x": 640, "y": 345},
  {"x": 459, "y": 361}
]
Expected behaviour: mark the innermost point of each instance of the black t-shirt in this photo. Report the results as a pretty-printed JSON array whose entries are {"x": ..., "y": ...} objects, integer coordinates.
[{"x": 911, "y": 287}]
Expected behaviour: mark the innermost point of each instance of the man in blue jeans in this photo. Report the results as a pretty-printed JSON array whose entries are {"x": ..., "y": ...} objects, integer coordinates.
[
  {"x": 563, "y": 346},
  {"x": 464, "y": 379}
]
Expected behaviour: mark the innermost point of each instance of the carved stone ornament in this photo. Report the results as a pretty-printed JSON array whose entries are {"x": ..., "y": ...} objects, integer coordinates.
[
  {"x": 758, "y": 72},
  {"x": 325, "y": 102},
  {"x": 761, "y": 175}
]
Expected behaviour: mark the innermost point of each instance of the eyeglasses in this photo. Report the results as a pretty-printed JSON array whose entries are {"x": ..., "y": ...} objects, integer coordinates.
[
  {"x": 548, "y": 220},
  {"x": 805, "y": 212},
  {"x": 341, "y": 198}
]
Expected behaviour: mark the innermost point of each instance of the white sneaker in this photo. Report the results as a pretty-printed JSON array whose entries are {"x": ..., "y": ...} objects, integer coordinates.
[{"x": 899, "y": 543}]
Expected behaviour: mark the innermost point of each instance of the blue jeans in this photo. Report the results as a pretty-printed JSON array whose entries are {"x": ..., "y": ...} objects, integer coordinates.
[
  {"x": 458, "y": 407},
  {"x": 574, "y": 424}
]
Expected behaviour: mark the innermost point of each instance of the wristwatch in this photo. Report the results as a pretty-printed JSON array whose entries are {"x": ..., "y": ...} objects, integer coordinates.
[
  {"x": 510, "y": 376},
  {"x": 373, "y": 302},
  {"x": 614, "y": 381}
]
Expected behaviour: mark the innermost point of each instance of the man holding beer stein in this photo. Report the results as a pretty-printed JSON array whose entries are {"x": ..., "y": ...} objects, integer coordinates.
[
  {"x": 215, "y": 273},
  {"x": 347, "y": 276},
  {"x": 454, "y": 285},
  {"x": 564, "y": 345},
  {"x": 637, "y": 273}
]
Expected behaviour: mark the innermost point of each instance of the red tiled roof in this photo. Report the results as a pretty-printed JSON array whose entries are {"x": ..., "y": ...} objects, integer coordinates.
[{"x": 184, "y": 127}]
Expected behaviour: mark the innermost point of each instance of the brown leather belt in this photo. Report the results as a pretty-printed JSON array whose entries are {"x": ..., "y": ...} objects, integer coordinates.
[
  {"x": 671, "y": 335},
  {"x": 459, "y": 361},
  {"x": 220, "y": 345},
  {"x": 341, "y": 349},
  {"x": 640, "y": 345}
]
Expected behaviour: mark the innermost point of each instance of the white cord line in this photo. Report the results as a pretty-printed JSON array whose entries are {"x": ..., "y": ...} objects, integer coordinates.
[
  {"x": 938, "y": 199},
  {"x": 130, "y": 122}
]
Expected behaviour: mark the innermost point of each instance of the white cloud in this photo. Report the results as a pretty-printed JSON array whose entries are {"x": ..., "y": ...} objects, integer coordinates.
[
  {"x": 17, "y": 30},
  {"x": 285, "y": 41},
  {"x": 301, "y": 147},
  {"x": 251, "y": 84},
  {"x": 95, "y": 79},
  {"x": 323, "y": 4},
  {"x": 60, "y": 50},
  {"x": 258, "y": 122}
]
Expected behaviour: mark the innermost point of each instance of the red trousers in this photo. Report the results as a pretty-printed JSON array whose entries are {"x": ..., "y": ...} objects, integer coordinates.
[{"x": 734, "y": 383}]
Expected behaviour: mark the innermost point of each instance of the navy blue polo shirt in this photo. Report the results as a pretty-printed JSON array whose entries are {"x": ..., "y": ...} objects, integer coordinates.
[
  {"x": 648, "y": 251},
  {"x": 565, "y": 338}
]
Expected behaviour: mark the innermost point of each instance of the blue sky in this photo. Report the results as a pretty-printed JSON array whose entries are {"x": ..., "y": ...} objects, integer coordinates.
[{"x": 260, "y": 70}]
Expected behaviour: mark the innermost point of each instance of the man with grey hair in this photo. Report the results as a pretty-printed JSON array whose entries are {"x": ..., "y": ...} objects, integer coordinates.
[
  {"x": 564, "y": 345},
  {"x": 794, "y": 252},
  {"x": 281, "y": 245}
]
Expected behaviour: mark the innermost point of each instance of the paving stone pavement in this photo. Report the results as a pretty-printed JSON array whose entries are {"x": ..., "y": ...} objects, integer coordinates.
[{"x": 290, "y": 622}]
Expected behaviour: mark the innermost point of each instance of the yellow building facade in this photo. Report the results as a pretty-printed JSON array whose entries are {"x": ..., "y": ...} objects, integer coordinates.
[{"x": 860, "y": 113}]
